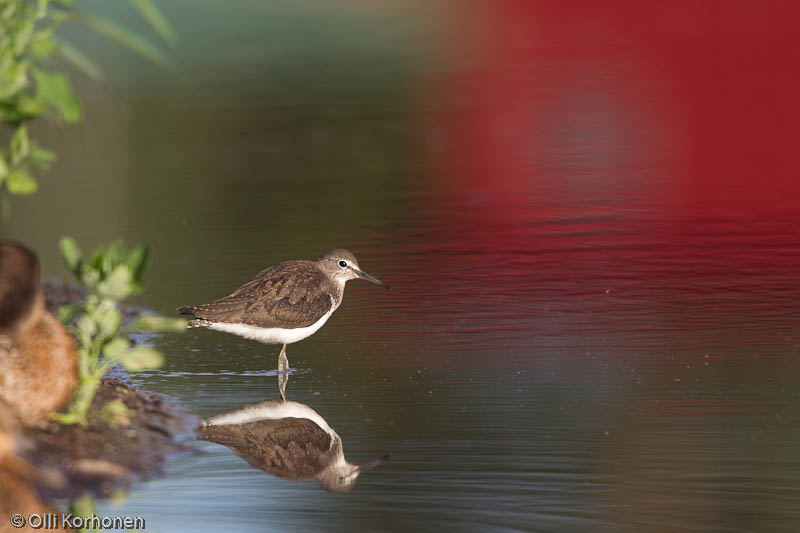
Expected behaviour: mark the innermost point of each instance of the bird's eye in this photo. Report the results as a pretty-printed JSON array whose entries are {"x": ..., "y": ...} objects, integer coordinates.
[{"x": 343, "y": 264}]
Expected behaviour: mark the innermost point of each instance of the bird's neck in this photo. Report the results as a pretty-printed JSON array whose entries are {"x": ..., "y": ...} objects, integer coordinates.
[{"x": 338, "y": 292}]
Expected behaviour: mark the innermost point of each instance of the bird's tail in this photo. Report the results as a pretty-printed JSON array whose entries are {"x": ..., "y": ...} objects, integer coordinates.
[
  {"x": 192, "y": 310},
  {"x": 187, "y": 310}
]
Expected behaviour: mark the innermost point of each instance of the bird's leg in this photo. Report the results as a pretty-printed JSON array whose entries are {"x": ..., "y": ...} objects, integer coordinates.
[
  {"x": 283, "y": 361},
  {"x": 283, "y": 372},
  {"x": 283, "y": 379}
]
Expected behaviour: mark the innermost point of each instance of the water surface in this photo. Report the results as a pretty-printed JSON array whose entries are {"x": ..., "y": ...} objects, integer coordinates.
[{"x": 593, "y": 324}]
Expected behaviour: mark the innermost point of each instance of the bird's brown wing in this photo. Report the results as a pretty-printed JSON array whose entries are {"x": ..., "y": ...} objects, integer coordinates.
[
  {"x": 293, "y": 294},
  {"x": 293, "y": 448}
]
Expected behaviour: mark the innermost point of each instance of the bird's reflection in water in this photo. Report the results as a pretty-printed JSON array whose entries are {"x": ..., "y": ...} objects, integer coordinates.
[{"x": 286, "y": 439}]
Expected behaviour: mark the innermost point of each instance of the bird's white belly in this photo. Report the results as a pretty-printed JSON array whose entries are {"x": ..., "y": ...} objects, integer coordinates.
[
  {"x": 271, "y": 335},
  {"x": 270, "y": 411}
]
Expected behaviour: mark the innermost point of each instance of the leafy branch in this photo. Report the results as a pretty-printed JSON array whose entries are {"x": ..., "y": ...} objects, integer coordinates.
[
  {"x": 110, "y": 275},
  {"x": 29, "y": 89}
]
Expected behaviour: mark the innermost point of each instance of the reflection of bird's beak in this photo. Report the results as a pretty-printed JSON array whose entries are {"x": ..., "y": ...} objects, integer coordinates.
[
  {"x": 375, "y": 462},
  {"x": 376, "y": 281}
]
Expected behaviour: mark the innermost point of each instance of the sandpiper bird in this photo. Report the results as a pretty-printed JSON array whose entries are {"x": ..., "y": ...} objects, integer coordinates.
[
  {"x": 286, "y": 439},
  {"x": 284, "y": 303}
]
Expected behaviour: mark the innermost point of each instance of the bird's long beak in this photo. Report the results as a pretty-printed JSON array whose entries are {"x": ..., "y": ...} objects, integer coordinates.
[
  {"x": 375, "y": 462},
  {"x": 376, "y": 281}
]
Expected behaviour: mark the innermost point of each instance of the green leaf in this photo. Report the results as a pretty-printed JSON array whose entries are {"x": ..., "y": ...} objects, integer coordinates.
[
  {"x": 157, "y": 323},
  {"x": 157, "y": 20},
  {"x": 66, "y": 313},
  {"x": 88, "y": 276},
  {"x": 54, "y": 89},
  {"x": 3, "y": 168},
  {"x": 118, "y": 285},
  {"x": 41, "y": 158},
  {"x": 137, "y": 261},
  {"x": 42, "y": 48},
  {"x": 28, "y": 106},
  {"x": 19, "y": 145},
  {"x": 141, "y": 358},
  {"x": 116, "y": 347},
  {"x": 70, "y": 253},
  {"x": 86, "y": 325},
  {"x": 97, "y": 258},
  {"x": 24, "y": 34},
  {"x": 125, "y": 37},
  {"x": 13, "y": 80},
  {"x": 108, "y": 321},
  {"x": 113, "y": 255},
  {"x": 20, "y": 182}
]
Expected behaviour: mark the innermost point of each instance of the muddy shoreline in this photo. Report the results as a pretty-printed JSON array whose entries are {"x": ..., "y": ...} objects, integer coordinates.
[{"x": 114, "y": 449}]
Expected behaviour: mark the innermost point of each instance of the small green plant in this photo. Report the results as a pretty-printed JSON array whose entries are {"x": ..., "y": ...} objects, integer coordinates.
[{"x": 109, "y": 275}]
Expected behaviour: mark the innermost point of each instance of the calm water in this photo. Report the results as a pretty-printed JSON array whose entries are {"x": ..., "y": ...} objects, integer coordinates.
[{"x": 594, "y": 324}]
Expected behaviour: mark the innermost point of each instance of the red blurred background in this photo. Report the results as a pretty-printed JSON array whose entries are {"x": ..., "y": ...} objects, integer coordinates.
[
  {"x": 634, "y": 160},
  {"x": 690, "y": 105}
]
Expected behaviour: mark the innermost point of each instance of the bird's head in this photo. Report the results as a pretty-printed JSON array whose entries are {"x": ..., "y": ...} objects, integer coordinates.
[
  {"x": 341, "y": 476},
  {"x": 342, "y": 266}
]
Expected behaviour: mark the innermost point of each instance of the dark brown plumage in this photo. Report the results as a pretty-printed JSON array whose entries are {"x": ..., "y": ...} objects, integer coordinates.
[
  {"x": 292, "y": 294},
  {"x": 291, "y": 448}
]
